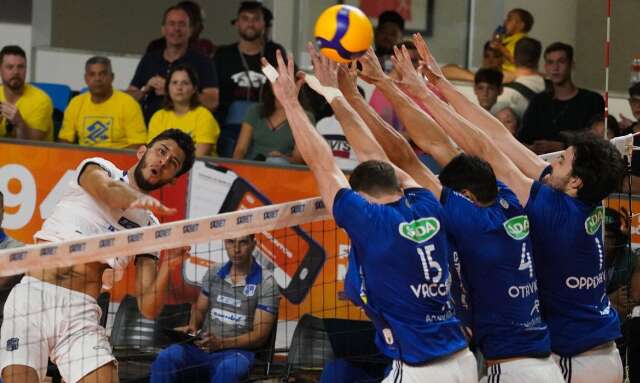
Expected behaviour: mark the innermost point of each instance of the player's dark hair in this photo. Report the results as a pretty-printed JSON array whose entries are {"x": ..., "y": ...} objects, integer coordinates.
[
  {"x": 527, "y": 53},
  {"x": 12, "y": 50},
  {"x": 598, "y": 163},
  {"x": 490, "y": 76},
  {"x": 526, "y": 17},
  {"x": 375, "y": 178},
  {"x": 558, "y": 46},
  {"x": 473, "y": 174},
  {"x": 184, "y": 142}
]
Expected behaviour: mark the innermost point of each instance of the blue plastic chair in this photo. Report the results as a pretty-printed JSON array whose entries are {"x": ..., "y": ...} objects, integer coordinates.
[{"x": 60, "y": 93}]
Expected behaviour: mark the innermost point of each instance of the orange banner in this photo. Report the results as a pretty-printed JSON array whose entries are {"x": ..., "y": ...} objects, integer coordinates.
[{"x": 32, "y": 177}]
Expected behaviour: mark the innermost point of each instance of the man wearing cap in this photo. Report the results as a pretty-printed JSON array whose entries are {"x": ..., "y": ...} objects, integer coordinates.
[
  {"x": 149, "y": 82},
  {"x": 238, "y": 66}
]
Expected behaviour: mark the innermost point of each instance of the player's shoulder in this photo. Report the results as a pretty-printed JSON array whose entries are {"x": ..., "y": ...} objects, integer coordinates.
[{"x": 109, "y": 167}]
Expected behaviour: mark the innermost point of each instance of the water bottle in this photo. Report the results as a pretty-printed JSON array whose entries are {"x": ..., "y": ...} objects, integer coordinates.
[{"x": 634, "y": 77}]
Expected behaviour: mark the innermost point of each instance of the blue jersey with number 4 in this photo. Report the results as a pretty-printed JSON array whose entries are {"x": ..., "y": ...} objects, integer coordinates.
[
  {"x": 569, "y": 257},
  {"x": 497, "y": 270},
  {"x": 399, "y": 273}
]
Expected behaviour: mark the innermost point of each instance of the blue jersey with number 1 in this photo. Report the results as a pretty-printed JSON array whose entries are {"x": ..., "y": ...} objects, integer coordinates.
[
  {"x": 569, "y": 257},
  {"x": 399, "y": 273}
]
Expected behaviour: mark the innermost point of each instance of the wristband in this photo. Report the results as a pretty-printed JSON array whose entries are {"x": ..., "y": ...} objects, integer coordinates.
[{"x": 329, "y": 93}]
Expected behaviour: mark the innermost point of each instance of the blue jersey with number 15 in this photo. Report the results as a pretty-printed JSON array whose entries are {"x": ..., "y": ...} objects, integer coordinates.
[{"x": 399, "y": 273}]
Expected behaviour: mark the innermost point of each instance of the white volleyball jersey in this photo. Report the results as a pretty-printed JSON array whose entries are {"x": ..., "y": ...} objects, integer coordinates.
[{"x": 78, "y": 214}]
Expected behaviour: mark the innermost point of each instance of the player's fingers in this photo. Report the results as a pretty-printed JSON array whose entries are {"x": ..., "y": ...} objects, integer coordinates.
[
  {"x": 282, "y": 68},
  {"x": 290, "y": 66}
]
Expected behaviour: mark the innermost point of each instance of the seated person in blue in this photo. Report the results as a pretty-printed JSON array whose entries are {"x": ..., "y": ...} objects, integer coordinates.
[{"x": 235, "y": 313}]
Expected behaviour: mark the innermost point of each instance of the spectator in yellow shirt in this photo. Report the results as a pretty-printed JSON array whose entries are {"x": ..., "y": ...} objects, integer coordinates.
[
  {"x": 182, "y": 110},
  {"x": 516, "y": 26},
  {"x": 26, "y": 112},
  {"x": 103, "y": 116}
]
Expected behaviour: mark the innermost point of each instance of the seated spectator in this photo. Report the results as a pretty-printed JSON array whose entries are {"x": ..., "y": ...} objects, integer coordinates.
[
  {"x": 6, "y": 242},
  {"x": 566, "y": 108},
  {"x": 182, "y": 110},
  {"x": 235, "y": 313},
  {"x": 596, "y": 126},
  {"x": 491, "y": 59},
  {"x": 516, "y": 26},
  {"x": 388, "y": 34},
  {"x": 487, "y": 86},
  {"x": 200, "y": 45},
  {"x": 240, "y": 71},
  {"x": 26, "y": 112},
  {"x": 527, "y": 80},
  {"x": 626, "y": 124},
  {"x": 148, "y": 83},
  {"x": 103, "y": 116},
  {"x": 265, "y": 133},
  {"x": 507, "y": 116}
]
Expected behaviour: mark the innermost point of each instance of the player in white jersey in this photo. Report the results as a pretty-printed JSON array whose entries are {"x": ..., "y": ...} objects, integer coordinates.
[{"x": 53, "y": 313}]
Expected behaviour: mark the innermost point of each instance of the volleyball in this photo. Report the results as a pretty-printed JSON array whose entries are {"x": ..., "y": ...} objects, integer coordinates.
[{"x": 343, "y": 33}]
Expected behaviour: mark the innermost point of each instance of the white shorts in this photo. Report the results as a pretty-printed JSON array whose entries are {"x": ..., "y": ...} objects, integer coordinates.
[
  {"x": 458, "y": 368},
  {"x": 44, "y": 321},
  {"x": 602, "y": 365},
  {"x": 524, "y": 370}
]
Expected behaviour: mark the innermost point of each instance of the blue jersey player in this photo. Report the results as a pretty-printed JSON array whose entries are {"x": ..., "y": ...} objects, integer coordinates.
[
  {"x": 486, "y": 224},
  {"x": 399, "y": 258},
  {"x": 563, "y": 202}
]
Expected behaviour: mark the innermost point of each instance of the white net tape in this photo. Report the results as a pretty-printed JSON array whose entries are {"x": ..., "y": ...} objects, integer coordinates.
[{"x": 165, "y": 236}]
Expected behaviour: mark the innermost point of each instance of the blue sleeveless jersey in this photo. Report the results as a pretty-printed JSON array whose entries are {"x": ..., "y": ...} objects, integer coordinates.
[
  {"x": 494, "y": 251},
  {"x": 399, "y": 273},
  {"x": 569, "y": 257}
]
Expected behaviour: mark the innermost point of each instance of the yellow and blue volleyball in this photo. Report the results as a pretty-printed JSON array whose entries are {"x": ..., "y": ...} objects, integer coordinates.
[{"x": 343, "y": 33}]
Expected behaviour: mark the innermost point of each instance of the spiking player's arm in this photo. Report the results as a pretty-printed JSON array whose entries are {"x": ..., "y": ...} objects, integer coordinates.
[
  {"x": 360, "y": 138},
  {"x": 527, "y": 161},
  {"x": 312, "y": 146}
]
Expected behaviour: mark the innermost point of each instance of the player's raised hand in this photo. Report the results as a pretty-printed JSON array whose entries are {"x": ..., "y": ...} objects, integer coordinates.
[
  {"x": 284, "y": 81},
  {"x": 428, "y": 65},
  {"x": 150, "y": 203},
  {"x": 348, "y": 79},
  {"x": 371, "y": 70},
  {"x": 326, "y": 71},
  {"x": 409, "y": 80}
]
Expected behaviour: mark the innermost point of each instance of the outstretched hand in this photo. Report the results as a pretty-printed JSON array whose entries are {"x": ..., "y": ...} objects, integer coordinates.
[
  {"x": 428, "y": 65},
  {"x": 325, "y": 70},
  {"x": 409, "y": 80},
  {"x": 348, "y": 79},
  {"x": 371, "y": 70},
  {"x": 286, "y": 84}
]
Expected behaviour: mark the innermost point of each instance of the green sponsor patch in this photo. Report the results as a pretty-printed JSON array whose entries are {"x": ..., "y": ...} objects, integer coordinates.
[
  {"x": 517, "y": 227},
  {"x": 594, "y": 220},
  {"x": 420, "y": 230}
]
